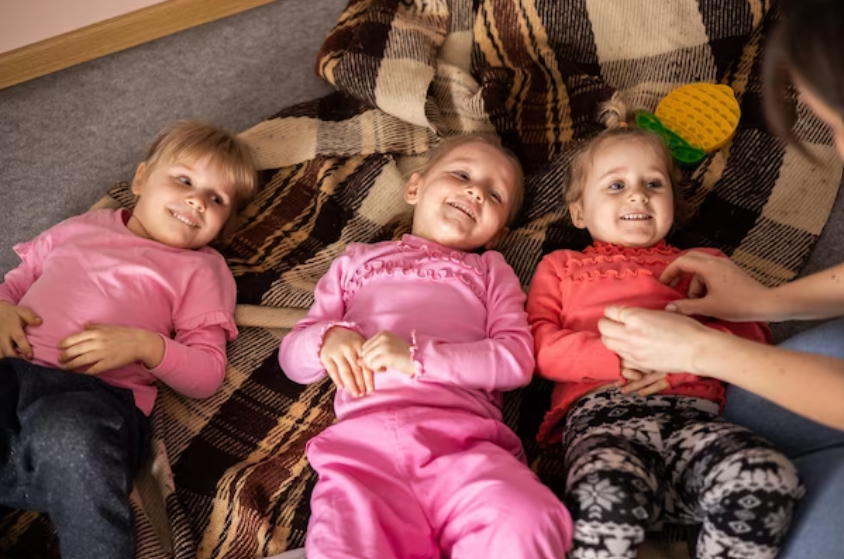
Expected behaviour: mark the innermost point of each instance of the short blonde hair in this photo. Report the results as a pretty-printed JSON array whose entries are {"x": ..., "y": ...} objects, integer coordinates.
[
  {"x": 192, "y": 140},
  {"x": 620, "y": 125},
  {"x": 449, "y": 144}
]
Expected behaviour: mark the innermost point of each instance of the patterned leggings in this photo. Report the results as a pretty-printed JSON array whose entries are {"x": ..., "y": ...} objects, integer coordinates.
[{"x": 633, "y": 462}]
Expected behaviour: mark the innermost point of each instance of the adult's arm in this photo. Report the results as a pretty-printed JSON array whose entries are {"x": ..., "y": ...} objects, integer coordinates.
[{"x": 807, "y": 384}]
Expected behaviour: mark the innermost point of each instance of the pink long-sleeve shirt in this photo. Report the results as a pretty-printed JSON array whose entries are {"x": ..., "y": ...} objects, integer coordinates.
[
  {"x": 463, "y": 314},
  {"x": 91, "y": 269}
]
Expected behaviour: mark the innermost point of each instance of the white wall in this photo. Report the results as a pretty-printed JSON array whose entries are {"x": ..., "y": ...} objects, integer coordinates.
[{"x": 23, "y": 22}]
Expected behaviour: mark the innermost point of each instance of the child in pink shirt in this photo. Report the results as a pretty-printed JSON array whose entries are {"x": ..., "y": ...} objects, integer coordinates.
[
  {"x": 420, "y": 336},
  {"x": 101, "y": 306},
  {"x": 643, "y": 447}
]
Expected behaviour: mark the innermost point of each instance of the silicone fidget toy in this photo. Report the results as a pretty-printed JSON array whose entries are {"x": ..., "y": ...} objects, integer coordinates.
[
  {"x": 681, "y": 151},
  {"x": 703, "y": 114}
]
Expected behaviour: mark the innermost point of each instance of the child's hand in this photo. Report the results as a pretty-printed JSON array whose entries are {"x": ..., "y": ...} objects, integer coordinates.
[
  {"x": 106, "y": 347},
  {"x": 13, "y": 320},
  {"x": 340, "y": 353},
  {"x": 386, "y": 350},
  {"x": 643, "y": 383}
]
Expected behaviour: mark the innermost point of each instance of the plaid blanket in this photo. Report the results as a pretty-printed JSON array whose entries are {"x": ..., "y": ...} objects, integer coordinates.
[{"x": 228, "y": 477}]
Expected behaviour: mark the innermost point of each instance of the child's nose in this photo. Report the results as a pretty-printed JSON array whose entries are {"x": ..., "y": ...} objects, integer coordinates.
[
  {"x": 476, "y": 192},
  {"x": 638, "y": 193},
  {"x": 197, "y": 202}
]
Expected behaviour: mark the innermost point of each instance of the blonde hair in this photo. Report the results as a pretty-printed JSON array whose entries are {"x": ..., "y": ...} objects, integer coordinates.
[
  {"x": 449, "y": 144},
  {"x": 192, "y": 140},
  {"x": 620, "y": 124}
]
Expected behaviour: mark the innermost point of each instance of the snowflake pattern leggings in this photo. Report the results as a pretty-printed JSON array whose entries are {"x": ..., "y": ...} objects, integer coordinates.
[{"x": 634, "y": 462}]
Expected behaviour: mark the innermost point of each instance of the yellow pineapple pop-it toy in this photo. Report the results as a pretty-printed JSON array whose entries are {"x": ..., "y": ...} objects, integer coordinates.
[
  {"x": 694, "y": 120},
  {"x": 703, "y": 114}
]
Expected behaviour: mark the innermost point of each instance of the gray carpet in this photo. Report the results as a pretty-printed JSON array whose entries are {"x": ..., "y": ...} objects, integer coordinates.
[{"x": 66, "y": 137}]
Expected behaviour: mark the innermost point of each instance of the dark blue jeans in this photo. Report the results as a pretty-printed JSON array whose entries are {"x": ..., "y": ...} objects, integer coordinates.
[
  {"x": 816, "y": 450},
  {"x": 70, "y": 445}
]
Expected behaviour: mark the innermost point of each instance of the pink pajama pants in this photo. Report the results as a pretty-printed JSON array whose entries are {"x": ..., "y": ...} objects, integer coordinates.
[{"x": 426, "y": 483}]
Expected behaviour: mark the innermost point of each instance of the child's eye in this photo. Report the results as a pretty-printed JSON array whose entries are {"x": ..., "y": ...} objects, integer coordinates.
[
  {"x": 495, "y": 196},
  {"x": 616, "y": 186},
  {"x": 184, "y": 180},
  {"x": 217, "y": 200},
  {"x": 462, "y": 175},
  {"x": 653, "y": 184}
]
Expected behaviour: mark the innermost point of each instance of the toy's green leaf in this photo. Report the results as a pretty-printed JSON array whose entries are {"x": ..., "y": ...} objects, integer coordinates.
[{"x": 680, "y": 149}]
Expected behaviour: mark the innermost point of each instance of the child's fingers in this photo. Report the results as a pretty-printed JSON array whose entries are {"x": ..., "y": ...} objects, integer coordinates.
[
  {"x": 372, "y": 342},
  {"x": 23, "y": 344},
  {"x": 75, "y": 339},
  {"x": 646, "y": 382},
  {"x": 98, "y": 367},
  {"x": 80, "y": 361},
  {"x": 350, "y": 355},
  {"x": 371, "y": 349},
  {"x": 631, "y": 374},
  {"x": 345, "y": 372},
  {"x": 636, "y": 385},
  {"x": 29, "y": 316},
  {"x": 368, "y": 379},
  {"x": 357, "y": 371},
  {"x": 331, "y": 369},
  {"x": 357, "y": 374},
  {"x": 7, "y": 348},
  {"x": 656, "y": 387}
]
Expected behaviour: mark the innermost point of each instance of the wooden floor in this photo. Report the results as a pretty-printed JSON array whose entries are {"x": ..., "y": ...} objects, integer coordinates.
[{"x": 112, "y": 35}]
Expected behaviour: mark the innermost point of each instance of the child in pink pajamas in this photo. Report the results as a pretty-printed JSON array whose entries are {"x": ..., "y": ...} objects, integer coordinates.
[{"x": 420, "y": 337}]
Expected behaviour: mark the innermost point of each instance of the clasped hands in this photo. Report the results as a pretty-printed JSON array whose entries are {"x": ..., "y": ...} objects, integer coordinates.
[
  {"x": 99, "y": 347},
  {"x": 351, "y": 361}
]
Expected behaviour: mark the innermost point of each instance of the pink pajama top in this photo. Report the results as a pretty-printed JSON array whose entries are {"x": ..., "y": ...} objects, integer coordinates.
[
  {"x": 463, "y": 313},
  {"x": 91, "y": 269}
]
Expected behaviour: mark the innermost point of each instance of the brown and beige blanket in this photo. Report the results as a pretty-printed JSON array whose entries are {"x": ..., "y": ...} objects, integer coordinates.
[{"x": 228, "y": 477}]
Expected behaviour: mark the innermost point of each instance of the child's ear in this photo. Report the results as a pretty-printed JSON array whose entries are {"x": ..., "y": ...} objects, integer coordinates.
[
  {"x": 138, "y": 180},
  {"x": 576, "y": 213},
  {"x": 494, "y": 242},
  {"x": 411, "y": 189}
]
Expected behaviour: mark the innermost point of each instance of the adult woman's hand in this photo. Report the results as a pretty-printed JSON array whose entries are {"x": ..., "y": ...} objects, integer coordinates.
[
  {"x": 719, "y": 289},
  {"x": 655, "y": 340}
]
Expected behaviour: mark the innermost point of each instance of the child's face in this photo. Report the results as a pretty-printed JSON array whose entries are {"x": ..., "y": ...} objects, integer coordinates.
[
  {"x": 183, "y": 203},
  {"x": 464, "y": 199},
  {"x": 627, "y": 198}
]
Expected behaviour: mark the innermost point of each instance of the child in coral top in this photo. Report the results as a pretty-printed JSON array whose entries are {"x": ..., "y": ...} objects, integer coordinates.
[
  {"x": 420, "y": 336},
  {"x": 642, "y": 447},
  {"x": 102, "y": 306}
]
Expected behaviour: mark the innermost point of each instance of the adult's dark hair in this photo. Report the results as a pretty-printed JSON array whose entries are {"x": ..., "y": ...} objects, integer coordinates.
[{"x": 806, "y": 50}]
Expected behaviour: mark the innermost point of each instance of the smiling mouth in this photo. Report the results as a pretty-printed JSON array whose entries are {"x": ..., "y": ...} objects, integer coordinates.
[
  {"x": 636, "y": 217},
  {"x": 465, "y": 209},
  {"x": 184, "y": 220}
]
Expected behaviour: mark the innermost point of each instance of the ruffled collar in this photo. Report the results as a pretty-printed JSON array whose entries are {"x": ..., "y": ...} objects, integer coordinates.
[
  {"x": 418, "y": 242},
  {"x": 609, "y": 249}
]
